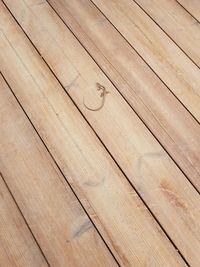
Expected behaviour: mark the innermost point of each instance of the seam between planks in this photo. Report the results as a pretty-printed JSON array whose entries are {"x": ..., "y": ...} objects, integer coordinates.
[
  {"x": 168, "y": 35},
  {"x": 60, "y": 172},
  {"x": 125, "y": 176},
  {"x": 1, "y": 175},
  {"x": 176, "y": 163},
  {"x": 188, "y": 11},
  {"x": 145, "y": 60}
]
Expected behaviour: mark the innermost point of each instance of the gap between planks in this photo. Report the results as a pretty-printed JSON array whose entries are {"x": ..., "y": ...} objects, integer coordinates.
[
  {"x": 122, "y": 211},
  {"x": 181, "y": 158},
  {"x": 153, "y": 60},
  {"x": 16, "y": 235},
  {"x": 72, "y": 218}
]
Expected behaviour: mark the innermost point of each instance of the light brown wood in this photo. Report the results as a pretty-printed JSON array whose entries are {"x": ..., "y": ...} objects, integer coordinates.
[
  {"x": 130, "y": 230},
  {"x": 61, "y": 227},
  {"x": 165, "y": 58},
  {"x": 177, "y": 23},
  {"x": 192, "y": 6},
  {"x": 148, "y": 96},
  {"x": 147, "y": 166},
  {"x": 17, "y": 245}
]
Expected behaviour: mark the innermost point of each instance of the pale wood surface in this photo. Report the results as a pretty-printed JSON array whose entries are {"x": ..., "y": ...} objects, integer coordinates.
[
  {"x": 142, "y": 164},
  {"x": 192, "y": 6},
  {"x": 17, "y": 245},
  {"x": 164, "y": 57},
  {"x": 119, "y": 214},
  {"x": 177, "y": 23},
  {"x": 61, "y": 227},
  {"x": 81, "y": 140},
  {"x": 148, "y": 96}
]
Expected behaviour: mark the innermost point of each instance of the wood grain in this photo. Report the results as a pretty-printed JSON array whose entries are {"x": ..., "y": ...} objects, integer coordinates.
[
  {"x": 166, "y": 59},
  {"x": 148, "y": 96},
  {"x": 127, "y": 226},
  {"x": 61, "y": 227},
  {"x": 192, "y": 6},
  {"x": 143, "y": 160},
  {"x": 177, "y": 23},
  {"x": 163, "y": 56},
  {"x": 17, "y": 245}
]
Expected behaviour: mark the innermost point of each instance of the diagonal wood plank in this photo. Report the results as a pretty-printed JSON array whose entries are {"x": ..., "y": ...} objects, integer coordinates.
[
  {"x": 192, "y": 6},
  {"x": 177, "y": 23},
  {"x": 17, "y": 245},
  {"x": 165, "y": 58},
  {"x": 127, "y": 226},
  {"x": 157, "y": 107},
  {"x": 61, "y": 227},
  {"x": 175, "y": 69},
  {"x": 140, "y": 162}
]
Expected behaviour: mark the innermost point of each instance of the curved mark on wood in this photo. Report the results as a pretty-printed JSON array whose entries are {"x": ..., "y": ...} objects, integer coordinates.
[{"x": 102, "y": 95}]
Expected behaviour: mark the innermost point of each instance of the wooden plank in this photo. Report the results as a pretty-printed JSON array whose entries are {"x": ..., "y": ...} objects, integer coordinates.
[
  {"x": 177, "y": 23},
  {"x": 129, "y": 154},
  {"x": 165, "y": 58},
  {"x": 127, "y": 226},
  {"x": 192, "y": 6},
  {"x": 41, "y": 16},
  {"x": 61, "y": 227},
  {"x": 17, "y": 245},
  {"x": 157, "y": 107}
]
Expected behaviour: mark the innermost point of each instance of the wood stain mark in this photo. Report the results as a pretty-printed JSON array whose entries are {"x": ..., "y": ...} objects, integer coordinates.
[
  {"x": 103, "y": 94},
  {"x": 154, "y": 155},
  {"x": 72, "y": 83},
  {"x": 95, "y": 183},
  {"x": 188, "y": 215},
  {"x": 101, "y": 22},
  {"x": 82, "y": 229},
  {"x": 172, "y": 196},
  {"x": 38, "y": 4}
]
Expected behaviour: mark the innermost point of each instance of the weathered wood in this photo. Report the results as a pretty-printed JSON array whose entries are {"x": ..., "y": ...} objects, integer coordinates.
[
  {"x": 192, "y": 6},
  {"x": 17, "y": 245},
  {"x": 177, "y": 23},
  {"x": 147, "y": 166},
  {"x": 164, "y": 57},
  {"x": 127, "y": 226},
  {"x": 148, "y": 96},
  {"x": 61, "y": 227},
  {"x": 176, "y": 70}
]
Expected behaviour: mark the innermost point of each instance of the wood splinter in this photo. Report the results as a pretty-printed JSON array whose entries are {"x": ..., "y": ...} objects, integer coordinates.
[{"x": 102, "y": 95}]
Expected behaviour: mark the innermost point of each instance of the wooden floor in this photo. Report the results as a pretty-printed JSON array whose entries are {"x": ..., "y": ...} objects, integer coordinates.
[{"x": 99, "y": 133}]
